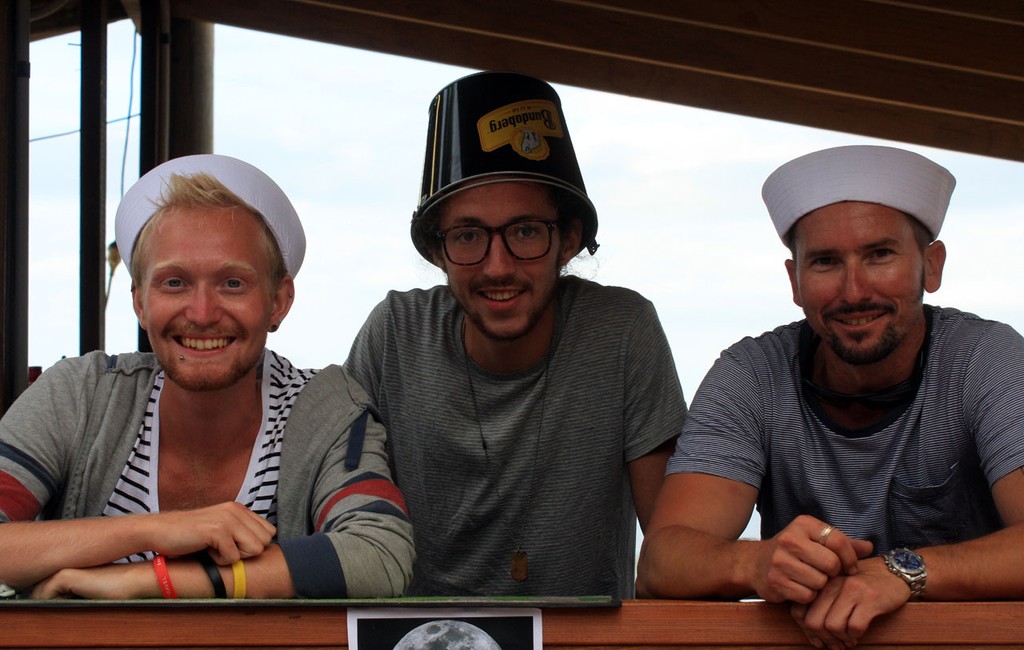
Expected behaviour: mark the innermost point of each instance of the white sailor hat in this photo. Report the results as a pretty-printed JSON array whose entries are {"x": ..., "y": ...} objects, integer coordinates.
[
  {"x": 896, "y": 178},
  {"x": 247, "y": 182}
]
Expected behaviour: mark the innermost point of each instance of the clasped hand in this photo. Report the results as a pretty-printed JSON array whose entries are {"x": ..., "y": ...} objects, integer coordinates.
[
  {"x": 836, "y": 587},
  {"x": 230, "y": 532}
]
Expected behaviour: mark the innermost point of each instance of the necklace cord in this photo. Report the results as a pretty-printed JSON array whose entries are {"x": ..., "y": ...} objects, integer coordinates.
[{"x": 518, "y": 554}]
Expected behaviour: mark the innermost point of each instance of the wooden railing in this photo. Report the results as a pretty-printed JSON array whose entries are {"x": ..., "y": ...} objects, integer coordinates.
[{"x": 636, "y": 624}]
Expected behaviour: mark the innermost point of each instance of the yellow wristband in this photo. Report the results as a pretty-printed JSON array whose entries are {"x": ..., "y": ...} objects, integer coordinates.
[{"x": 238, "y": 569}]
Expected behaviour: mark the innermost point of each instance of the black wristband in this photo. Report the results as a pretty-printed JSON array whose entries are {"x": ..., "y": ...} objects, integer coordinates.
[{"x": 219, "y": 590}]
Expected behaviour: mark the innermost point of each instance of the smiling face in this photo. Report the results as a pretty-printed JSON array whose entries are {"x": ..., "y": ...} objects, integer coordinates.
[
  {"x": 859, "y": 273},
  {"x": 205, "y": 297},
  {"x": 507, "y": 299}
]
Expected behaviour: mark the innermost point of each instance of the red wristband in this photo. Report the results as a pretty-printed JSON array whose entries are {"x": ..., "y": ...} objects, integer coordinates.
[{"x": 163, "y": 577}]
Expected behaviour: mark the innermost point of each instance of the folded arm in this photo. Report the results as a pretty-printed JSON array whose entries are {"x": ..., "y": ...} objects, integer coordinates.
[
  {"x": 693, "y": 550},
  {"x": 265, "y": 576},
  {"x": 31, "y": 551},
  {"x": 986, "y": 568}
]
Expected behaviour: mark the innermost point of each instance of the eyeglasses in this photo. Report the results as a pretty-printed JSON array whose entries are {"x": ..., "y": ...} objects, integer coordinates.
[{"x": 524, "y": 240}]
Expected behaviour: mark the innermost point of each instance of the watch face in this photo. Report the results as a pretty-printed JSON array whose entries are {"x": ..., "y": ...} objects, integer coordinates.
[{"x": 907, "y": 560}]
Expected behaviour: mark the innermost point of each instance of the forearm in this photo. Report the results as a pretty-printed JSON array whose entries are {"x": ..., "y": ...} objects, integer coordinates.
[
  {"x": 680, "y": 562},
  {"x": 265, "y": 576},
  {"x": 32, "y": 551},
  {"x": 987, "y": 568}
]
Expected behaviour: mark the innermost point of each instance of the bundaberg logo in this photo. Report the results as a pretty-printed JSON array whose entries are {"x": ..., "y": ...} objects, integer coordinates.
[{"x": 525, "y": 126}]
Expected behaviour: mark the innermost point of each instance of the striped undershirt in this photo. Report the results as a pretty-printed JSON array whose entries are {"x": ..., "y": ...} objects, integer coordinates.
[{"x": 136, "y": 490}]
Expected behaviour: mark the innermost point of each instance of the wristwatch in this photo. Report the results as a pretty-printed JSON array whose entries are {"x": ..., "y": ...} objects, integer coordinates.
[{"x": 910, "y": 566}]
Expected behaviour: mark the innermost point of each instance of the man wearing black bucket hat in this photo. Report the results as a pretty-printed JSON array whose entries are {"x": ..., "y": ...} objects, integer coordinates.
[
  {"x": 530, "y": 413},
  {"x": 881, "y": 439}
]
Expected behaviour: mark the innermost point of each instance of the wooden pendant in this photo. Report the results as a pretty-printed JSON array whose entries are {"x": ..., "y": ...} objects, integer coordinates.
[{"x": 519, "y": 565}]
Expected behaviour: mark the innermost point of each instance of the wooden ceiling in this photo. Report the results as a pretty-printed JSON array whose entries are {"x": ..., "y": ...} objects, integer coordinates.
[{"x": 942, "y": 73}]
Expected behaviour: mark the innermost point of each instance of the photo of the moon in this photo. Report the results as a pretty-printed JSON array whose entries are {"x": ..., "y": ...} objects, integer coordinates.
[
  {"x": 447, "y": 635},
  {"x": 404, "y": 628}
]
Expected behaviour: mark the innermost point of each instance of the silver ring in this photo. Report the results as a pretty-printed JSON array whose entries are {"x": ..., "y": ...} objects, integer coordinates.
[{"x": 825, "y": 532}]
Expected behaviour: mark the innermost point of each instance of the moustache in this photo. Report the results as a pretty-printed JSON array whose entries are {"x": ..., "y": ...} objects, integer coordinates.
[
  {"x": 845, "y": 310},
  {"x": 192, "y": 331}
]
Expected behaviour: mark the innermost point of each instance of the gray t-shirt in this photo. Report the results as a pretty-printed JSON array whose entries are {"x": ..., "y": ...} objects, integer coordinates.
[
  {"x": 553, "y": 479},
  {"x": 920, "y": 477}
]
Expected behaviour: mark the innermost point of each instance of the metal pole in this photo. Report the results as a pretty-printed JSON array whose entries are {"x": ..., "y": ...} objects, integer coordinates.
[
  {"x": 93, "y": 177},
  {"x": 14, "y": 19},
  {"x": 153, "y": 122},
  {"x": 191, "y": 88}
]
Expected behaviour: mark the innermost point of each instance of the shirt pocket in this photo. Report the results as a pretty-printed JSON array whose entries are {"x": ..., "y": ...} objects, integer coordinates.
[{"x": 930, "y": 514}]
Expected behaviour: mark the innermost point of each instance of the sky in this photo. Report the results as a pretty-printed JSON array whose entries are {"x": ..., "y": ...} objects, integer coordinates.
[{"x": 343, "y": 132}]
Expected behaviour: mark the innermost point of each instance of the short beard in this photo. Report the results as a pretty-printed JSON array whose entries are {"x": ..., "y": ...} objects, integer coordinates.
[
  {"x": 204, "y": 382},
  {"x": 531, "y": 323},
  {"x": 891, "y": 339},
  {"x": 855, "y": 357},
  {"x": 191, "y": 375}
]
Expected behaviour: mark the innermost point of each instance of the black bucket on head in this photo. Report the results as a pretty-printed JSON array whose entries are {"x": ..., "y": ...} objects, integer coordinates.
[{"x": 493, "y": 127}]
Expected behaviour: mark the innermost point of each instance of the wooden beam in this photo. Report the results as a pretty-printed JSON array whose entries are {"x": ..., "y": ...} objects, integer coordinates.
[
  {"x": 903, "y": 31},
  {"x": 636, "y": 624},
  {"x": 57, "y": 17}
]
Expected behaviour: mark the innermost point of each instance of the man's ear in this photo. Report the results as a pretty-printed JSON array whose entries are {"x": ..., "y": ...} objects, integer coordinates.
[
  {"x": 934, "y": 261},
  {"x": 137, "y": 304},
  {"x": 570, "y": 242},
  {"x": 283, "y": 299},
  {"x": 794, "y": 282},
  {"x": 439, "y": 260}
]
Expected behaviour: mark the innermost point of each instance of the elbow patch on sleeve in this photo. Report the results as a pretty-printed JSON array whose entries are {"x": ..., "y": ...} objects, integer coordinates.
[{"x": 314, "y": 566}]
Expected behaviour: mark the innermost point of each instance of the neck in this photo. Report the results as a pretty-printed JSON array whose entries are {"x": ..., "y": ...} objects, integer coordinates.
[{"x": 212, "y": 420}]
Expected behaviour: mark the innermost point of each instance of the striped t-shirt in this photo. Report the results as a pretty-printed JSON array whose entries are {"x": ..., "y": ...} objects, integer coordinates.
[
  {"x": 920, "y": 477},
  {"x": 553, "y": 481},
  {"x": 136, "y": 490}
]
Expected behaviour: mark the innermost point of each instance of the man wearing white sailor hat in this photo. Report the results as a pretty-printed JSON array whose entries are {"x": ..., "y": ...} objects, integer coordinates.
[
  {"x": 880, "y": 438},
  {"x": 211, "y": 467}
]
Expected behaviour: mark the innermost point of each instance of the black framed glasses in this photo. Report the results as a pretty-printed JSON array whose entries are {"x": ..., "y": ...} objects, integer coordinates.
[{"x": 524, "y": 240}]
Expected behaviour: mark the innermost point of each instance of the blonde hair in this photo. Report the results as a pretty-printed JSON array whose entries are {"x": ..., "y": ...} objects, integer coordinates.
[{"x": 203, "y": 191}]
